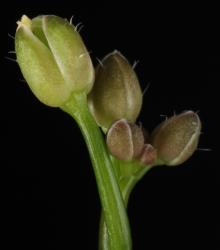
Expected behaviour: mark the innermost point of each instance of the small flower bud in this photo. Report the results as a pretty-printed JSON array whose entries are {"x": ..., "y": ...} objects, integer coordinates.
[
  {"x": 177, "y": 138},
  {"x": 148, "y": 155},
  {"x": 53, "y": 59},
  {"x": 116, "y": 93},
  {"x": 125, "y": 141}
]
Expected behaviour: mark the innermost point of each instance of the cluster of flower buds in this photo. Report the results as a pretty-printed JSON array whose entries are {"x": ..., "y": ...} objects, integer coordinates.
[
  {"x": 115, "y": 102},
  {"x": 56, "y": 64},
  {"x": 171, "y": 143}
]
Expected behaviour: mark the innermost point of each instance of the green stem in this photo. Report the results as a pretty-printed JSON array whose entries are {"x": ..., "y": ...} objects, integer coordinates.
[
  {"x": 103, "y": 231},
  {"x": 112, "y": 202},
  {"x": 126, "y": 185}
]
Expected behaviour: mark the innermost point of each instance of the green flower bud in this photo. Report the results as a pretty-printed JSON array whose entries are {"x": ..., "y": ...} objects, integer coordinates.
[
  {"x": 116, "y": 93},
  {"x": 125, "y": 140},
  {"x": 177, "y": 138},
  {"x": 53, "y": 59}
]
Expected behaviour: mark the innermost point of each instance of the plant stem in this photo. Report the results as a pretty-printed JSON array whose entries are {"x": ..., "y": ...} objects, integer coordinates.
[
  {"x": 126, "y": 185},
  {"x": 112, "y": 202},
  {"x": 103, "y": 231}
]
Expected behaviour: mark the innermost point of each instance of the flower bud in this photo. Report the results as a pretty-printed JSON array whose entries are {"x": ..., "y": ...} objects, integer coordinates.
[
  {"x": 125, "y": 140},
  {"x": 148, "y": 155},
  {"x": 177, "y": 138},
  {"x": 53, "y": 59},
  {"x": 116, "y": 93}
]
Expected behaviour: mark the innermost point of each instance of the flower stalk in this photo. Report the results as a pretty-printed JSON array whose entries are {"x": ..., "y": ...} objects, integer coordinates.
[{"x": 112, "y": 203}]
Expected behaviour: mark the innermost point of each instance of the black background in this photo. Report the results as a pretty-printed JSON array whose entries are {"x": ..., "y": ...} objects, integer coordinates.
[{"x": 51, "y": 190}]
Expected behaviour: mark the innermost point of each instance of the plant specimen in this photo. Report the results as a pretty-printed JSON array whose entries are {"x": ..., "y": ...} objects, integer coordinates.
[{"x": 105, "y": 103}]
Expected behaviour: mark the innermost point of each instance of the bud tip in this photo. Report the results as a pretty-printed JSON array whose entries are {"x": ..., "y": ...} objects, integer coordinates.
[{"x": 25, "y": 22}]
